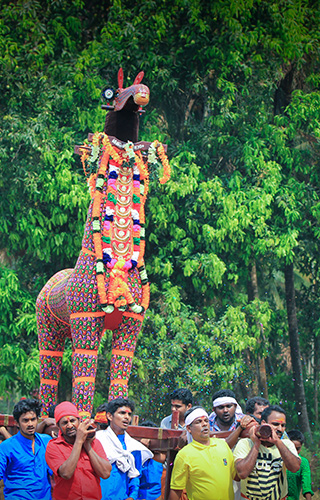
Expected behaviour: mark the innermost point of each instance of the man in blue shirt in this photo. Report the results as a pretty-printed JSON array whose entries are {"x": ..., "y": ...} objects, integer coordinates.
[
  {"x": 23, "y": 467},
  {"x": 127, "y": 455}
]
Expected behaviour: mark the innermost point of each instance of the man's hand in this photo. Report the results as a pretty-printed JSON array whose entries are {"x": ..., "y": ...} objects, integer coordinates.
[
  {"x": 246, "y": 421},
  {"x": 241, "y": 431},
  {"x": 245, "y": 424},
  {"x": 182, "y": 439},
  {"x": 83, "y": 432},
  {"x": 44, "y": 424},
  {"x": 175, "y": 494},
  {"x": 5, "y": 433},
  {"x": 254, "y": 438},
  {"x": 274, "y": 438},
  {"x": 48, "y": 421}
]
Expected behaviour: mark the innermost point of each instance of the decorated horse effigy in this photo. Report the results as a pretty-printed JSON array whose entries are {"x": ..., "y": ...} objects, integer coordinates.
[{"x": 108, "y": 288}]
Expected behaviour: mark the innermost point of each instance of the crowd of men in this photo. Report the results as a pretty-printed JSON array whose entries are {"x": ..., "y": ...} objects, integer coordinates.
[{"x": 72, "y": 457}]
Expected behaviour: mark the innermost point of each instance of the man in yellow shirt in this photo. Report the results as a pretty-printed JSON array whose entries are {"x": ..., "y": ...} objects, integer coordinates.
[{"x": 205, "y": 467}]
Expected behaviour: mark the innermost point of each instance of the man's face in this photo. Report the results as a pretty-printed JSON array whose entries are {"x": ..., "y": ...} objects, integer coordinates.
[
  {"x": 298, "y": 446},
  {"x": 68, "y": 426},
  {"x": 28, "y": 423},
  {"x": 120, "y": 420},
  {"x": 258, "y": 409},
  {"x": 35, "y": 394},
  {"x": 200, "y": 429},
  {"x": 225, "y": 413},
  {"x": 278, "y": 422},
  {"x": 178, "y": 405}
]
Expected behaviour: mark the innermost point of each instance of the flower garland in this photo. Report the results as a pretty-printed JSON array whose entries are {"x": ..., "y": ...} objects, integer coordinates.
[
  {"x": 157, "y": 148},
  {"x": 96, "y": 225},
  {"x": 137, "y": 208},
  {"x": 119, "y": 294}
]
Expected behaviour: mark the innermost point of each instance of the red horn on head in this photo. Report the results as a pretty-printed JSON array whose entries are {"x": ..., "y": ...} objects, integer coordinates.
[
  {"x": 138, "y": 78},
  {"x": 120, "y": 78}
]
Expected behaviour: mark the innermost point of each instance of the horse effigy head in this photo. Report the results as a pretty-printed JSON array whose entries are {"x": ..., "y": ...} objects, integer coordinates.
[
  {"x": 131, "y": 98},
  {"x": 124, "y": 107}
]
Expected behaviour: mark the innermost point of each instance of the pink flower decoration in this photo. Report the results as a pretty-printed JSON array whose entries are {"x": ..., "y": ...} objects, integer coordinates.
[
  {"x": 111, "y": 264},
  {"x": 112, "y": 183},
  {"x": 127, "y": 265}
]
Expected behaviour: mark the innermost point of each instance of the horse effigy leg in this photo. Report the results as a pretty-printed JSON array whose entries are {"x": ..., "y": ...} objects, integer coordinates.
[
  {"x": 86, "y": 331},
  {"x": 53, "y": 329},
  {"x": 123, "y": 345},
  {"x": 52, "y": 335}
]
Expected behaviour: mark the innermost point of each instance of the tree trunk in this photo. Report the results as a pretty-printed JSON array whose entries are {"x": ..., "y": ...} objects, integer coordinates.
[
  {"x": 300, "y": 396},
  {"x": 253, "y": 293},
  {"x": 316, "y": 367},
  {"x": 316, "y": 346}
]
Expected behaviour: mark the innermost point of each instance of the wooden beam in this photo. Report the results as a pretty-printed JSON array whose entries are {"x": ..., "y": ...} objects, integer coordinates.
[
  {"x": 161, "y": 439},
  {"x": 137, "y": 146}
]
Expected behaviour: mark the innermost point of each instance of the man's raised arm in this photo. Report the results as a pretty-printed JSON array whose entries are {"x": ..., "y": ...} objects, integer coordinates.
[{"x": 245, "y": 466}]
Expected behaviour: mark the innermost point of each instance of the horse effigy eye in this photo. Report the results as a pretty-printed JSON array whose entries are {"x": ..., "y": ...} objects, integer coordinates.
[{"x": 108, "y": 93}]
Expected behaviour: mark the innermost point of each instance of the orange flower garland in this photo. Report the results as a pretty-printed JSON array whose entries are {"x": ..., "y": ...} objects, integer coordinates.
[
  {"x": 119, "y": 294},
  {"x": 156, "y": 147},
  {"x": 145, "y": 296}
]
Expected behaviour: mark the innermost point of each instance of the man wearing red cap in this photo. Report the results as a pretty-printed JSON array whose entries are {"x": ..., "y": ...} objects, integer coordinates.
[{"x": 76, "y": 458}]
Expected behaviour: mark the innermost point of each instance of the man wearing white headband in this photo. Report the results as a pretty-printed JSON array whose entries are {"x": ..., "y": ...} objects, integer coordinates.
[
  {"x": 226, "y": 411},
  {"x": 205, "y": 467}
]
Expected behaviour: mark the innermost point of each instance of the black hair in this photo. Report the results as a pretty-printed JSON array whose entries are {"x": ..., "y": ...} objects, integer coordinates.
[
  {"x": 191, "y": 410},
  {"x": 117, "y": 403},
  {"x": 51, "y": 411},
  {"x": 147, "y": 423},
  {"x": 252, "y": 401},
  {"x": 25, "y": 405},
  {"x": 224, "y": 393},
  {"x": 296, "y": 435},
  {"x": 183, "y": 395},
  {"x": 102, "y": 407},
  {"x": 267, "y": 411}
]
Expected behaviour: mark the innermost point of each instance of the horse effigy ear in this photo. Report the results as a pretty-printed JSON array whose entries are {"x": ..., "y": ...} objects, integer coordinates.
[
  {"x": 120, "y": 78},
  {"x": 138, "y": 78}
]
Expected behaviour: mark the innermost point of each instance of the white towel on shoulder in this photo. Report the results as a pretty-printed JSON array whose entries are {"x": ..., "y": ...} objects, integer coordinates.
[{"x": 123, "y": 458}]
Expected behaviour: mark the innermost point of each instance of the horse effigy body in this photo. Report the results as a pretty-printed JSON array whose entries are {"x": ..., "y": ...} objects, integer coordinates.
[{"x": 108, "y": 288}]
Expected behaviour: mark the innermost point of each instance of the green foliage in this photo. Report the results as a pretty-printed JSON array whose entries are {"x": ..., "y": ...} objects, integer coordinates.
[{"x": 19, "y": 356}]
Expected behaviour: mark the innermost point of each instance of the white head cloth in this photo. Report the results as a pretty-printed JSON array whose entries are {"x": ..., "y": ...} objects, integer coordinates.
[
  {"x": 197, "y": 413},
  {"x": 225, "y": 400}
]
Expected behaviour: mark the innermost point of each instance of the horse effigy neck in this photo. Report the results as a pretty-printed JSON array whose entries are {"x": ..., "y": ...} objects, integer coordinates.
[{"x": 124, "y": 125}]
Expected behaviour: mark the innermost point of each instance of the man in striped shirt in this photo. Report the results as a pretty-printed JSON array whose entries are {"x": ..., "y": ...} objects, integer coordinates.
[{"x": 261, "y": 464}]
